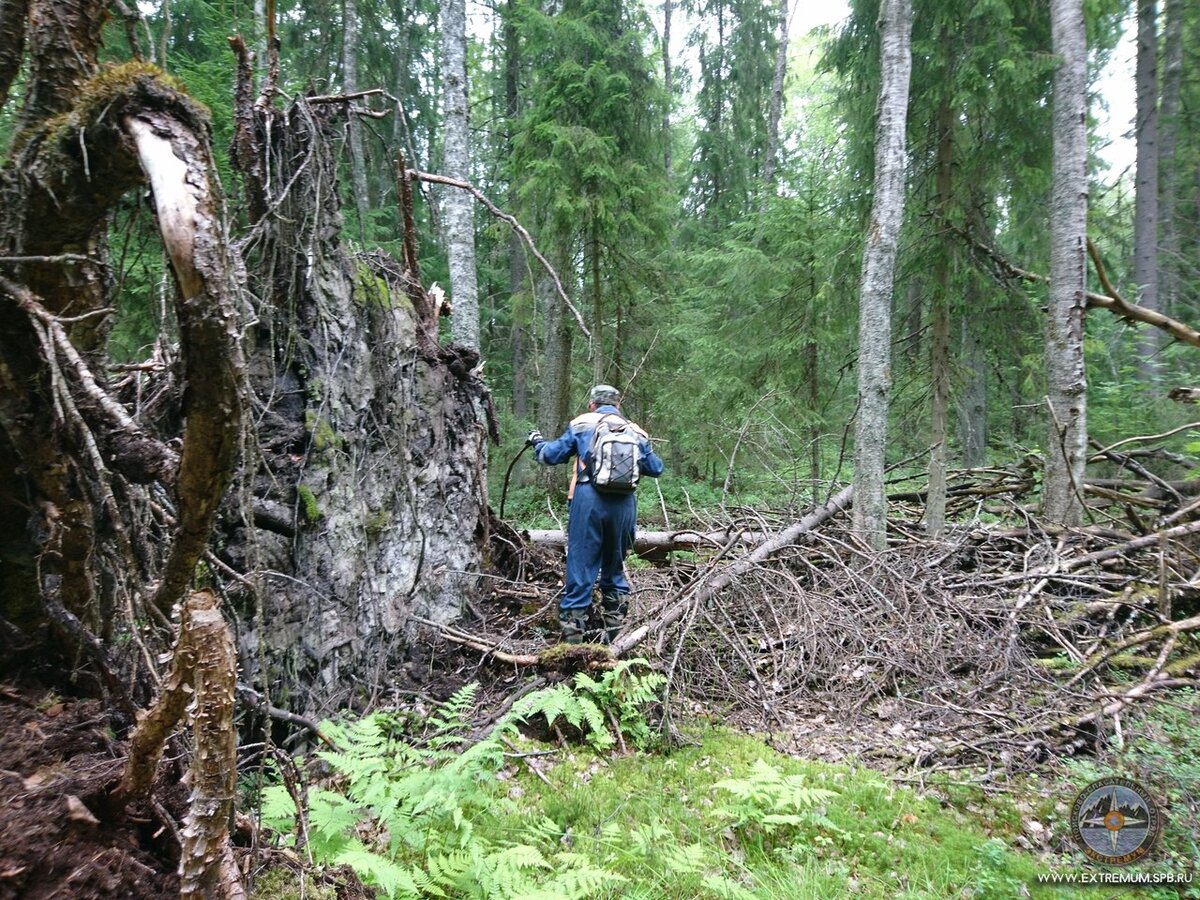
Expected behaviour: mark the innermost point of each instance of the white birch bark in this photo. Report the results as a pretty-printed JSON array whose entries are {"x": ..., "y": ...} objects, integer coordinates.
[
  {"x": 459, "y": 220},
  {"x": 879, "y": 263},
  {"x": 1066, "y": 451}
]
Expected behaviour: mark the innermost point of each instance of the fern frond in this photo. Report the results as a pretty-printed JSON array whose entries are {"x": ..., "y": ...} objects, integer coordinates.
[
  {"x": 727, "y": 888},
  {"x": 394, "y": 879},
  {"x": 277, "y": 808}
]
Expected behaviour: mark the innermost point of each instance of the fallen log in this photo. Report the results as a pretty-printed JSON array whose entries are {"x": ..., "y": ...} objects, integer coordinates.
[{"x": 655, "y": 543}]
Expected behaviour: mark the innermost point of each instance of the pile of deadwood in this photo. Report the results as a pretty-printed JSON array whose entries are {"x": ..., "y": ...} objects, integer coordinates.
[{"x": 998, "y": 644}]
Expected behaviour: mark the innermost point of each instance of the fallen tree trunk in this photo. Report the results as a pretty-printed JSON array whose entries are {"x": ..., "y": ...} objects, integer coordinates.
[{"x": 653, "y": 543}]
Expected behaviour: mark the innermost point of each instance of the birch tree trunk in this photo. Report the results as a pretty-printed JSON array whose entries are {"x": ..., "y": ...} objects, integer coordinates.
[
  {"x": 458, "y": 205},
  {"x": 1066, "y": 450},
  {"x": 1145, "y": 214},
  {"x": 358, "y": 162},
  {"x": 879, "y": 262}
]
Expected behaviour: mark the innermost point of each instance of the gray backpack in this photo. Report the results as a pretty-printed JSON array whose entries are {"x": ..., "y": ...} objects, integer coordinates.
[{"x": 614, "y": 456}]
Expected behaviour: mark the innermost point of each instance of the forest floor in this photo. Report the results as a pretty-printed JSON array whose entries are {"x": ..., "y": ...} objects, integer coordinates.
[
  {"x": 970, "y": 668},
  {"x": 57, "y": 761},
  {"x": 60, "y": 835}
]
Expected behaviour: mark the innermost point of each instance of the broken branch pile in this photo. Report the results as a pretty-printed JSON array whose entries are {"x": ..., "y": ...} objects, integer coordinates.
[{"x": 1000, "y": 643}]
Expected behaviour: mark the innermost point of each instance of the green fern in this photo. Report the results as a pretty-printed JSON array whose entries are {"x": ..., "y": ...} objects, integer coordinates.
[
  {"x": 423, "y": 801},
  {"x": 766, "y": 802},
  {"x": 452, "y": 719},
  {"x": 392, "y": 878}
]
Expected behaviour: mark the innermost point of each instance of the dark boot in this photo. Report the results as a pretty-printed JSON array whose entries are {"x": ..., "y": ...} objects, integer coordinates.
[
  {"x": 572, "y": 624},
  {"x": 613, "y": 608}
]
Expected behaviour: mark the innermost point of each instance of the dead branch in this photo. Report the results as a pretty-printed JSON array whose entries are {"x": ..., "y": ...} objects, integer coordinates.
[
  {"x": 840, "y": 502},
  {"x": 515, "y": 226},
  {"x": 255, "y": 700},
  {"x": 202, "y": 676},
  {"x": 657, "y": 542},
  {"x": 1112, "y": 302}
]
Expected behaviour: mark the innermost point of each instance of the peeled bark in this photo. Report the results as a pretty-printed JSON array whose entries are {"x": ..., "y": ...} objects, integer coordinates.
[
  {"x": 202, "y": 683},
  {"x": 879, "y": 261},
  {"x": 1066, "y": 450}
]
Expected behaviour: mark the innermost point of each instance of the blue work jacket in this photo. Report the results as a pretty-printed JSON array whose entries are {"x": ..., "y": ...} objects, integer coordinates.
[{"x": 577, "y": 441}]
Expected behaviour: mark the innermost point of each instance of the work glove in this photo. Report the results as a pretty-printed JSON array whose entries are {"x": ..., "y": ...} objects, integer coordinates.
[{"x": 535, "y": 438}]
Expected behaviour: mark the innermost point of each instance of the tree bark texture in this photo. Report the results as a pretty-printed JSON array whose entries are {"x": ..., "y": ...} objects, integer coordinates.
[
  {"x": 879, "y": 260},
  {"x": 369, "y": 495},
  {"x": 1066, "y": 450},
  {"x": 202, "y": 684},
  {"x": 554, "y": 401},
  {"x": 459, "y": 208},
  {"x": 351, "y": 29},
  {"x": 1145, "y": 214},
  {"x": 939, "y": 347},
  {"x": 1170, "y": 244}
]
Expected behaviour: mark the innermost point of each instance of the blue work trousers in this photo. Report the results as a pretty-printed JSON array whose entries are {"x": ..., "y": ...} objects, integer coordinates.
[{"x": 599, "y": 535}]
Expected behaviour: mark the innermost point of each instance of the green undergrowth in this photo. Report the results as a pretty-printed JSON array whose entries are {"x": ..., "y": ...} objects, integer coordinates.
[{"x": 439, "y": 809}]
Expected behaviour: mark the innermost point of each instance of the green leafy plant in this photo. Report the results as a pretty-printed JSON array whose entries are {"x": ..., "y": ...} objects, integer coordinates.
[
  {"x": 403, "y": 813},
  {"x": 767, "y": 804}
]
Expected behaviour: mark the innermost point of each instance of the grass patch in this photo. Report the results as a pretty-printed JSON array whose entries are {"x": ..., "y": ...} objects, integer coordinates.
[{"x": 704, "y": 821}]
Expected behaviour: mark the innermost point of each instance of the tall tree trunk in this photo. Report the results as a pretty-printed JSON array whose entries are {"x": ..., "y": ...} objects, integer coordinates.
[
  {"x": 460, "y": 219},
  {"x": 668, "y": 85},
  {"x": 520, "y": 295},
  {"x": 1145, "y": 215},
  {"x": 939, "y": 348},
  {"x": 775, "y": 112},
  {"x": 520, "y": 303},
  {"x": 1066, "y": 451},
  {"x": 972, "y": 416},
  {"x": 1170, "y": 244},
  {"x": 554, "y": 399},
  {"x": 879, "y": 262},
  {"x": 598, "y": 360},
  {"x": 358, "y": 161}
]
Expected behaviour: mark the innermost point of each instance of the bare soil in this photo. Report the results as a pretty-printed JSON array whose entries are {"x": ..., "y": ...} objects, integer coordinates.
[{"x": 59, "y": 836}]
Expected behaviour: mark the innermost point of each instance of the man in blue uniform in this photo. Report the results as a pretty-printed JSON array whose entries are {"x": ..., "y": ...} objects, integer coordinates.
[{"x": 603, "y": 516}]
